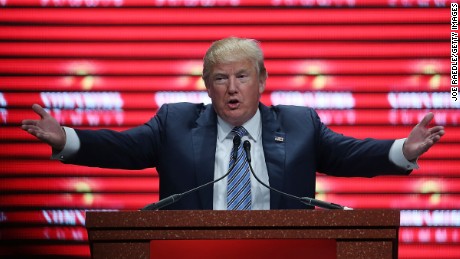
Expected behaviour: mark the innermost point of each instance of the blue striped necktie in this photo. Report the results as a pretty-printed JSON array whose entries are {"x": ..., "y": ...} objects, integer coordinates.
[{"x": 239, "y": 182}]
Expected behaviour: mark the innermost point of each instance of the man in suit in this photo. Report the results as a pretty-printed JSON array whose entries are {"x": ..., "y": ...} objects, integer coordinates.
[{"x": 191, "y": 144}]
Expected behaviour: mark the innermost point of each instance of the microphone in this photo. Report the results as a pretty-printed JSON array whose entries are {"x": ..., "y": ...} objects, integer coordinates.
[
  {"x": 176, "y": 197},
  {"x": 304, "y": 200},
  {"x": 247, "y": 150}
]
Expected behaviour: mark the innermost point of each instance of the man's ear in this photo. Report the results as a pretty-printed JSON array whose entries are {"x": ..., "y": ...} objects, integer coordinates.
[
  {"x": 262, "y": 82},
  {"x": 207, "y": 88}
]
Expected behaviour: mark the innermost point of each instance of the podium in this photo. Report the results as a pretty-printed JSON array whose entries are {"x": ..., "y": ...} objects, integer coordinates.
[{"x": 353, "y": 233}]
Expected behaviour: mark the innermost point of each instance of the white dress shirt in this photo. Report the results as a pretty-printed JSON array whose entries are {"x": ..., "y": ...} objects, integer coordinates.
[{"x": 260, "y": 195}]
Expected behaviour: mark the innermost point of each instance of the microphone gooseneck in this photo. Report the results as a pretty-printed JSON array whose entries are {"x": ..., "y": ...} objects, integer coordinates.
[
  {"x": 176, "y": 197},
  {"x": 304, "y": 200}
]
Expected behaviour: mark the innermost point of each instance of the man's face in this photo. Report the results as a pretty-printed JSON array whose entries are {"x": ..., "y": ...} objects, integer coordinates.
[{"x": 235, "y": 89}]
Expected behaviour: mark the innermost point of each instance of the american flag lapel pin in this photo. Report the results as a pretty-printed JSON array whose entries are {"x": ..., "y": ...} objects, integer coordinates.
[{"x": 279, "y": 139}]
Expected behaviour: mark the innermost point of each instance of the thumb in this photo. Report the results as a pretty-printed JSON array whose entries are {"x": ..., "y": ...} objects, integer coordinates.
[
  {"x": 39, "y": 110},
  {"x": 427, "y": 119}
]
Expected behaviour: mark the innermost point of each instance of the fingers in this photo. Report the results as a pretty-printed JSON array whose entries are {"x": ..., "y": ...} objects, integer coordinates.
[
  {"x": 436, "y": 129},
  {"x": 431, "y": 140},
  {"x": 436, "y": 138},
  {"x": 426, "y": 120},
  {"x": 33, "y": 130},
  {"x": 436, "y": 133},
  {"x": 27, "y": 126},
  {"x": 39, "y": 110},
  {"x": 29, "y": 122}
]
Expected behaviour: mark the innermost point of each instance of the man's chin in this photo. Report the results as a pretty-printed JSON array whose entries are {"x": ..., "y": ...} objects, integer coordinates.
[{"x": 236, "y": 117}]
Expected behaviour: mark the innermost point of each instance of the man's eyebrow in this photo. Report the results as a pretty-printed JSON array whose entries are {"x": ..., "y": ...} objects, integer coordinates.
[
  {"x": 219, "y": 74},
  {"x": 222, "y": 73}
]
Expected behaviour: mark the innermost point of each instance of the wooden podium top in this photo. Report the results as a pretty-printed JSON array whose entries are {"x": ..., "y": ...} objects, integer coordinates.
[{"x": 261, "y": 218}]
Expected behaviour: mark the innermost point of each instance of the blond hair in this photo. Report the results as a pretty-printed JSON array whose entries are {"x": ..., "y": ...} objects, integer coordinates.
[{"x": 233, "y": 49}]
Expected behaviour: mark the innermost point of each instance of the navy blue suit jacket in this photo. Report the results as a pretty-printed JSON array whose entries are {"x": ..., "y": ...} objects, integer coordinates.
[{"x": 180, "y": 141}]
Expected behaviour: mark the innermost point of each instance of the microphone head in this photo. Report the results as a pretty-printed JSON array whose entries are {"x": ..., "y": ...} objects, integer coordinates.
[
  {"x": 247, "y": 145},
  {"x": 236, "y": 144},
  {"x": 247, "y": 149},
  {"x": 236, "y": 140}
]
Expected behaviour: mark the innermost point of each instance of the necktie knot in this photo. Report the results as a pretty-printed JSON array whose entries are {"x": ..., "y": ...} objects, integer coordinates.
[{"x": 240, "y": 131}]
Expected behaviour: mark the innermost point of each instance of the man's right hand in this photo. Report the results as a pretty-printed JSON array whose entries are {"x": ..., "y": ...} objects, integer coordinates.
[{"x": 46, "y": 129}]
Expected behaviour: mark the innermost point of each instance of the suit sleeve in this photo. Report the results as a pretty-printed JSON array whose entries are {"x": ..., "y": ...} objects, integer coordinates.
[
  {"x": 136, "y": 148},
  {"x": 340, "y": 155}
]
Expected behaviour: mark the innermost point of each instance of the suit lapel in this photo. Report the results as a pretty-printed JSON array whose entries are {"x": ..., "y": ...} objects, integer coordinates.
[
  {"x": 273, "y": 141},
  {"x": 204, "y": 137}
]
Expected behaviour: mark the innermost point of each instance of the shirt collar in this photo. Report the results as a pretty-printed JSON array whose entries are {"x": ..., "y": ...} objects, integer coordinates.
[{"x": 253, "y": 126}]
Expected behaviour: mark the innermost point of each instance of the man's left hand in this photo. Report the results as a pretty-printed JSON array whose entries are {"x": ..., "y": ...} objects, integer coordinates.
[{"x": 422, "y": 138}]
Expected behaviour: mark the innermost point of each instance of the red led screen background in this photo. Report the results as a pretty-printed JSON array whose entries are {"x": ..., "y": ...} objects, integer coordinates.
[{"x": 371, "y": 68}]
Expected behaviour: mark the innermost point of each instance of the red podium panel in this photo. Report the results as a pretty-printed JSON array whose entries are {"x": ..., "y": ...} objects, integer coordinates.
[{"x": 243, "y": 248}]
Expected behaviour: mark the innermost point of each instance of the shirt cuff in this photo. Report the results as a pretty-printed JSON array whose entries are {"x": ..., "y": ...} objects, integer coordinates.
[
  {"x": 397, "y": 157},
  {"x": 71, "y": 147}
]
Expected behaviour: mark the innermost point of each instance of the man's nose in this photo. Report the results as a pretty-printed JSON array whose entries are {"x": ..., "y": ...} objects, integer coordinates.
[{"x": 232, "y": 85}]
